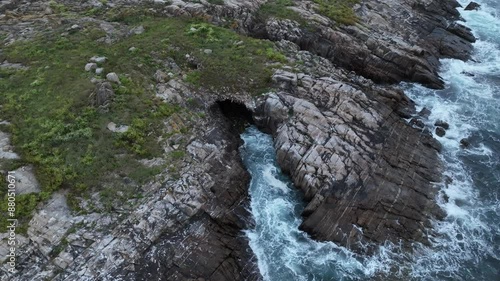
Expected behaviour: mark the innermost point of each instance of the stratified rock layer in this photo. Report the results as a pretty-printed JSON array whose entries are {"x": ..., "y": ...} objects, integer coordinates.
[
  {"x": 395, "y": 40},
  {"x": 364, "y": 171}
]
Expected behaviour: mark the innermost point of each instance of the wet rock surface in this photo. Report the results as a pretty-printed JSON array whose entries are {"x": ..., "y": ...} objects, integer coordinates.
[{"x": 472, "y": 6}]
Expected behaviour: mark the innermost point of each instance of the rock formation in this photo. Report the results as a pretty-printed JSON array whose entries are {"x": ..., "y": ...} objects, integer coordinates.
[{"x": 366, "y": 174}]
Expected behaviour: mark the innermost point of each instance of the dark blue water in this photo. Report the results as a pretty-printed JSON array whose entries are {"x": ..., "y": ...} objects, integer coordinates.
[{"x": 467, "y": 243}]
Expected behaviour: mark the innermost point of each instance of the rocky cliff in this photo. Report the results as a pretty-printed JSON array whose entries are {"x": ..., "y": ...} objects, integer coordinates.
[{"x": 341, "y": 127}]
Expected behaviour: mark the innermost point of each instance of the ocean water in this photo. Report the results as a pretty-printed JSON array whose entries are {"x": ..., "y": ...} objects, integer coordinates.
[{"x": 467, "y": 242}]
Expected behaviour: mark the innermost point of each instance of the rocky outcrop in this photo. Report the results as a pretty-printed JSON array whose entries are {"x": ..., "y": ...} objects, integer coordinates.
[
  {"x": 472, "y": 6},
  {"x": 102, "y": 95},
  {"x": 186, "y": 228},
  {"x": 210, "y": 245},
  {"x": 365, "y": 172},
  {"x": 393, "y": 42}
]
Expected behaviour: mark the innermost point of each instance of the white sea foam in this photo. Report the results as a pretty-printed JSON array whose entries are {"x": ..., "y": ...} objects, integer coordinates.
[{"x": 470, "y": 104}]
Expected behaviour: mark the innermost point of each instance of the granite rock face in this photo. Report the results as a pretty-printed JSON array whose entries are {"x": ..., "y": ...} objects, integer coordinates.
[{"x": 364, "y": 171}]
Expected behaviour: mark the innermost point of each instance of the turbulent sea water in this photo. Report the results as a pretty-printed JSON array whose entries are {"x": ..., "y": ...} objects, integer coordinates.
[{"x": 467, "y": 244}]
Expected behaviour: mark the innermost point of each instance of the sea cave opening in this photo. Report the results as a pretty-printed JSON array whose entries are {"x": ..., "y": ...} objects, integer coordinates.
[{"x": 236, "y": 113}]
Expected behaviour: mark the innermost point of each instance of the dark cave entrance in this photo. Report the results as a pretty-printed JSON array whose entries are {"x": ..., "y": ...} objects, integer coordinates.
[{"x": 236, "y": 113}]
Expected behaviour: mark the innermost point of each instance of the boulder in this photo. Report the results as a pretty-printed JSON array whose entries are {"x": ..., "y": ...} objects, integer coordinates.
[
  {"x": 99, "y": 70},
  {"x": 137, "y": 30},
  {"x": 90, "y": 66},
  {"x": 465, "y": 143},
  {"x": 26, "y": 181},
  {"x": 113, "y": 77},
  {"x": 472, "y": 6},
  {"x": 443, "y": 124},
  {"x": 97, "y": 59},
  {"x": 102, "y": 95},
  {"x": 117, "y": 128},
  {"x": 425, "y": 112},
  {"x": 417, "y": 123},
  {"x": 440, "y": 131},
  {"x": 6, "y": 149}
]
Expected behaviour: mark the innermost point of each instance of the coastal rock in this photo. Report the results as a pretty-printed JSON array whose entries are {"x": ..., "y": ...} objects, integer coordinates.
[
  {"x": 98, "y": 60},
  {"x": 382, "y": 51},
  {"x": 472, "y": 6},
  {"x": 161, "y": 77},
  {"x": 465, "y": 143},
  {"x": 443, "y": 124},
  {"x": 49, "y": 225},
  {"x": 171, "y": 91},
  {"x": 417, "y": 122},
  {"x": 364, "y": 172},
  {"x": 425, "y": 112},
  {"x": 187, "y": 227},
  {"x": 137, "y": 30},
  {"x": 440, "y": 131},
  {"x": 451, "y": 45},
  {"x": 462, "y": 32}
]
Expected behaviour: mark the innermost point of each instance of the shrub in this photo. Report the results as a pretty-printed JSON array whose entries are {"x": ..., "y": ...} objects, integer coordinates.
[
  {"x": 279, "y": 9},
  {"x": 339, "y": 11}
]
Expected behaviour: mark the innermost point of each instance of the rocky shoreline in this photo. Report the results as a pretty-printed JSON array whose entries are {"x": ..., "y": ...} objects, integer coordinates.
[{"x": 342, "y": 131}]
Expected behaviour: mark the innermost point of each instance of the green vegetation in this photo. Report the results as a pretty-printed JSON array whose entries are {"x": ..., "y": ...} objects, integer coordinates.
[
  {"x": 216, "y": 2},
  {"x": 279, "y": 9},
  {"x": 55, "y": 128},
  {"x": 59, "y": 248},
  {"x": 235, "y": 63},
  {"x": 25, "y": 204},
  {"x": 57, "y": 7},
  {"x": 177, "y": 154},
  {"x": 339, "y": 11}
]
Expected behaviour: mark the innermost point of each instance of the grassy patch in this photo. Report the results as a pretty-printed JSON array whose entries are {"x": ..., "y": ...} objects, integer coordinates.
[
  {"x": 234, "y": 64},
  {"x": 279, "y": 9},
  {"x": 55, "y": 128},
  {"x": 57, "y": 7},
  {"x": 339, "y": 11},
  {"x": 25, "y": 204}
]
